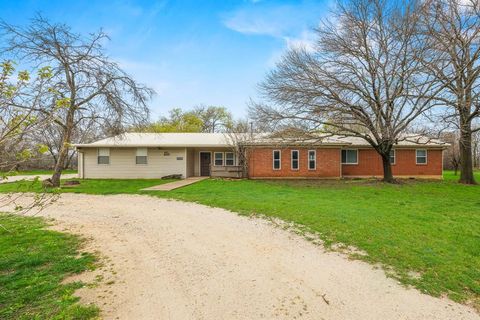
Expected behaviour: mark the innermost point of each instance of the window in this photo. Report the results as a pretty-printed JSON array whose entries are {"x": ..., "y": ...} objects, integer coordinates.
[
  {"x": 421, "y": 155},
  {"x": 229, "y": 159},
  {"x": 142, "y": 156},
  {"x": 312, "y": 160},
  {"x": 392, "y": 156},
  {"x": 218, "y": 159},
  {"x": 350, "y": 156},
  {"x": 295, "y": 159},
  {"x": 103, "y": 156},
  {"x": 276, "y": 159}
]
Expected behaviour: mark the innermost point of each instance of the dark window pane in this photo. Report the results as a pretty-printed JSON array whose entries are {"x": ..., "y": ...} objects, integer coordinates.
[
  {"x": 141, "y": 160},
  {"x": 103, "y": 160},
  {"x": 392, "y": 156}
]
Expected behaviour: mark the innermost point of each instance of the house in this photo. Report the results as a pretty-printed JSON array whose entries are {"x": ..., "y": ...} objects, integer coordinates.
[{"x": 155, "y": 155}]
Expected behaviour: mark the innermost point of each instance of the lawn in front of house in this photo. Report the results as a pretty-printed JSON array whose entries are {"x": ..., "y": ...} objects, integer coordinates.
[
  {"x": 34, "y": 172},
  {"x": 89, "y": 186},
  {"x": 425, "y": 233},
  {"x": 33, "y": 263}
]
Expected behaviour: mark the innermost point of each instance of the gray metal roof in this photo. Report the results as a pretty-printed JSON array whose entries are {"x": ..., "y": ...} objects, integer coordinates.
[{"x": 225, "y": 140}]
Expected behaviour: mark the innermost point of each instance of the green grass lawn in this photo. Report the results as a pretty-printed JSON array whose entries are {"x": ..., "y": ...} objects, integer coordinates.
[
  {"x": 33, "y": 263},
  {"x": 89, "y": 186},
  {"x": 425, "y": 233},
  {"x": 33, "y": 172}
]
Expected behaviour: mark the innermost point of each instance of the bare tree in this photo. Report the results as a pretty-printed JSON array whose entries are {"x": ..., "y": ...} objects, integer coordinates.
[
  {"x": 51, "y": 137},
  {"x": 362, "y": 79},
  {"x": 453, "y": 29},
  {"x": 239, "y": 138},
  {"x": 451, "y": 156},
  {"x": 476, "y": 150},
  {"x": 86, "y": 84}
]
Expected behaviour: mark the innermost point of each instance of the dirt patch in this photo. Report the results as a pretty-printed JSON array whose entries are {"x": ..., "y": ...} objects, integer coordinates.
[{"x": 176, "y": 260}]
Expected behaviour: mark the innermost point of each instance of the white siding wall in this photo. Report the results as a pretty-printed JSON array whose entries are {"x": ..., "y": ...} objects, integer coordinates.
[
  {"x": 80, "y": 164},
  {"x": 122, "y": 164},
  {"x": 190, "y": 162}
]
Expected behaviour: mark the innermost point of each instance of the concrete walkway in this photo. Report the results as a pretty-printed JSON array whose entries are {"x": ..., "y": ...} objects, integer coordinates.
[
  {"x": 33, "y": 176},
  {"x": 176, "y": 184}
]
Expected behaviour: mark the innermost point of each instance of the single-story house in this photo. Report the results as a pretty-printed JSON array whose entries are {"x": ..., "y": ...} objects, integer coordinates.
[{"x": 155, "y": 155}]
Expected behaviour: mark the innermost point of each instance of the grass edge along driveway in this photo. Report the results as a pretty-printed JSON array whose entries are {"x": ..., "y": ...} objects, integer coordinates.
[
  {"x": 33, "y": 263},
  {"x": 425, "y": 233}
]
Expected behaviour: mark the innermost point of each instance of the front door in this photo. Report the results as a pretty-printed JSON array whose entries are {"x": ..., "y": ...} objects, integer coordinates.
[{"x": 205, "y": 161}]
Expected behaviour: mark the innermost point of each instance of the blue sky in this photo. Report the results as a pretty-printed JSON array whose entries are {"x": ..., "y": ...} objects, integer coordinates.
[{"x": 190, "y": 52}]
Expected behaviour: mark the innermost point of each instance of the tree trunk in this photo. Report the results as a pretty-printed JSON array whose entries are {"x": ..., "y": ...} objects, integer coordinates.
[
  {"x": 387, "y": 169},
  {"x": 466, "y": 158},
  {"x": 63, "y": 153}
]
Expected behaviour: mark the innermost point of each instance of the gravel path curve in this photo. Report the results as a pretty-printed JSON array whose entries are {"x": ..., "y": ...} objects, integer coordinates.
[{"x": 175, "y": 260}]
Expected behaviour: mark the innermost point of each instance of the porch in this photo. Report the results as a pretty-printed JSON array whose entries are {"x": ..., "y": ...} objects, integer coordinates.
[{"x": 213, "y": 162}]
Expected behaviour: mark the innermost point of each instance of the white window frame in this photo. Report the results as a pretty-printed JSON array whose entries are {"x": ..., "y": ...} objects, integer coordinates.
[
  {"x": 215, "y": 159},
  {"x": 233, "y": 159},
  {"x": 426, "y": 156},
  {"x": 298, "y": 160},
  {"x": 99, "y": 155},
  {"x": 348, "y": 163},
  {"x": 279, "y": 160},
  {"x": 139, "y": 153},
  {"x": 394, "y": 157},
  {"x": 314, "y": 160}
]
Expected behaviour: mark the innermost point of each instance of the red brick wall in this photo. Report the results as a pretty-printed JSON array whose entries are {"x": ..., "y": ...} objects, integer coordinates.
[
  {"x": 370, "y": 164},
  {"x": 261, "y": 163}
]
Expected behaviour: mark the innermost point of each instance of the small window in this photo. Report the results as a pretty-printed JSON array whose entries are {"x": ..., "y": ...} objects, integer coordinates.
[
  {"x": 218, "y": 159},
  {"x": 350, "y": 156},
  {"x": 312, "y": 160},
  {"x": 421, "y": 155},
  {"x": 103, "y": 156},
  {"x": 142, "y": 156},
  {"x": 229, "y": 159},
  {"x": 392, "y": 156},
  {"x": 276, "y": 159},
  {"x": 295, "y": 159}
]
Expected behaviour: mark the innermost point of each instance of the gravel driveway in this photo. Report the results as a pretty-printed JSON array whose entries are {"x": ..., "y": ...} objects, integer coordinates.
[{"x": 174, "y": 260}]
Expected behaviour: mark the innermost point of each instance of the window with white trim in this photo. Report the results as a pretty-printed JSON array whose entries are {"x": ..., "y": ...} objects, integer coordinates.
[
  {"x": 103, "y": 156},
  {"x": 218, "y": 159},
  {"x": 392, "y": 156},
  {"x": 294, "y": 158},
  {"x": 229, "y": 158},
  {"x": 312, "y": 159},
  {"x": 350, "y": 156},
  {"x": 141, "y": 156},
  {"x": 421, "y": 156},
  {"x": 277, "y": 157}
]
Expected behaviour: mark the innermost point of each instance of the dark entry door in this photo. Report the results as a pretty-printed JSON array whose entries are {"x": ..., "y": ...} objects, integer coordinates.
[{"x": 205, "y": 161}]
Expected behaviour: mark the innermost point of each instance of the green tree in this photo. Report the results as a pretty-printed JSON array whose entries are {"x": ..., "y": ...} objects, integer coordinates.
[
  {"x": 20, "y": 95},
  {"x": 176, "y": 121},
  {"x": 215, "y": 119}
]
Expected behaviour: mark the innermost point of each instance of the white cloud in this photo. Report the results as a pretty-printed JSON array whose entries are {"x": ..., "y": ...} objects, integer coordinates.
[
  {"x": 306, "y": 40},
  {"x": 257, "y": 21},
  {"x": 287, "y": 22}
]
